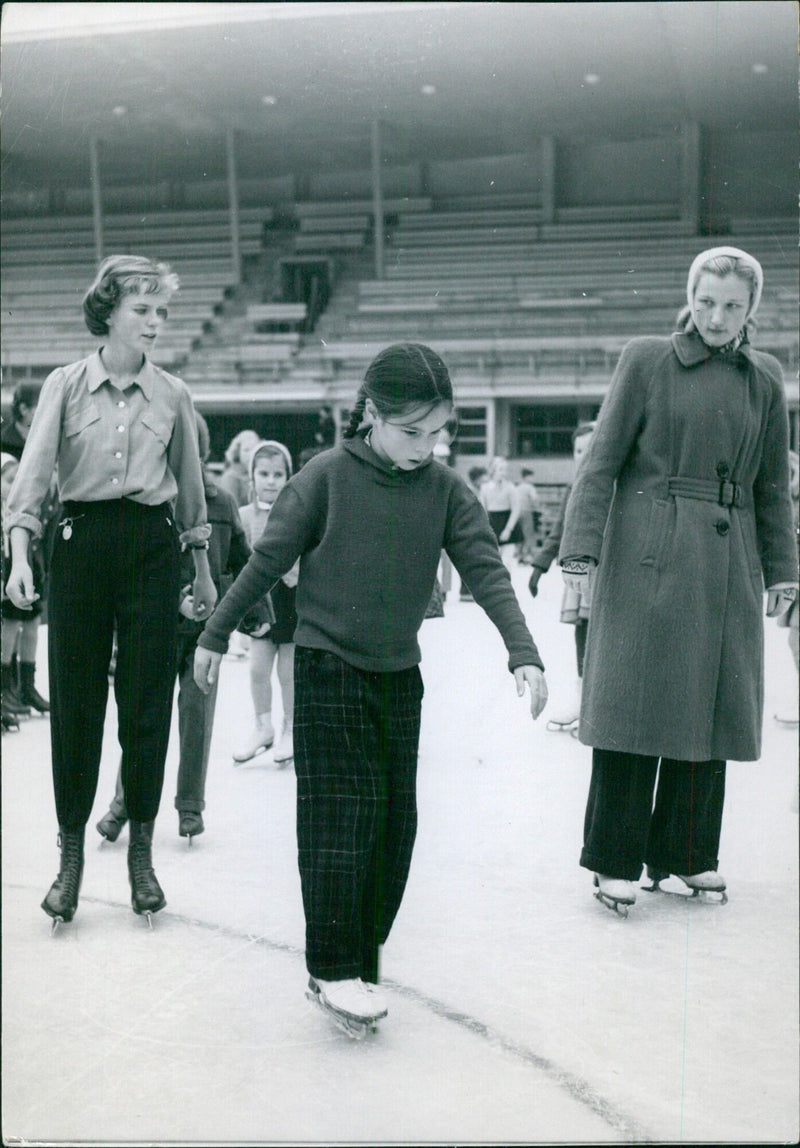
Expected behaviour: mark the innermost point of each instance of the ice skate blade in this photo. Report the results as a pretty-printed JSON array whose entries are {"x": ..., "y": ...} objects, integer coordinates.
[
  {"x": 54, "y": 925},
  {"x": 355, "y": 1029},
  {"x": 618, "y": 907},
  {"x": 712, "y": 896}
]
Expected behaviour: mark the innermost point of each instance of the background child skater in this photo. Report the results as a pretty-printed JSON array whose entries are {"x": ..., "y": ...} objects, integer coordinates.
[
  {"x": 368, "y": 520},
  {"x": 228, "y": 551},
  {"x": 272, "y": 630},
  {"x": 574, "y": 603},
  {"x": 122, "y": 433}
]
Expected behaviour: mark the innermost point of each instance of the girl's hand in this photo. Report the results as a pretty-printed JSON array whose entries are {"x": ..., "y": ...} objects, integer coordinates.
[
  {"x": 204, "y": 593},
  {"x": 19, "y": 586},
  {"x": 206, "y": 668},
  {"x": 537, "y": 685}
]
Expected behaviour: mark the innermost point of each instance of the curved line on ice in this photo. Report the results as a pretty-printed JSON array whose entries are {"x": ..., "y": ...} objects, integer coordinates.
[{"x": 579, "y": 1089}]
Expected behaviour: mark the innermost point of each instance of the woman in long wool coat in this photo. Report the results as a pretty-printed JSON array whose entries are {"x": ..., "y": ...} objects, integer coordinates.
[{"x": 679, "y": 518}]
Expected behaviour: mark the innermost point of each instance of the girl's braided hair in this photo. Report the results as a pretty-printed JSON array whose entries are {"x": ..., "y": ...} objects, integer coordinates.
[{"x": 400, "y": 377}]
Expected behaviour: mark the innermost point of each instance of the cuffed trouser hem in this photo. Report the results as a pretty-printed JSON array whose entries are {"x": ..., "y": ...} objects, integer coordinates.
[{"x": 611, "y": 867}]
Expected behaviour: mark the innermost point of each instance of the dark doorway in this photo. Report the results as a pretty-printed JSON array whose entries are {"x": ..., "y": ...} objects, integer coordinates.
[{"x": 295, "y": 429}]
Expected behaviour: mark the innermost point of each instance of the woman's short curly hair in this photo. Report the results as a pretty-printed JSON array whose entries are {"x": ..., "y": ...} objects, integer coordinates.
[{"x": 120, "y": 275}]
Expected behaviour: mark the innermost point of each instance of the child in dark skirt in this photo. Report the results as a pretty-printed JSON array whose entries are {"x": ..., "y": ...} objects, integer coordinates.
[
  {"x": 368, "y": 520},
  {"x": 271, "y": 623}
]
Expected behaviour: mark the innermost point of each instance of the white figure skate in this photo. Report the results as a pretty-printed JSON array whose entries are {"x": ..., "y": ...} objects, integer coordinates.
[
  {"x": 260, "y": 741},
  {"x": 615, "y": 893},
  {"x": 354, "y": 1007},
  {"x": 710, "y": 884}
]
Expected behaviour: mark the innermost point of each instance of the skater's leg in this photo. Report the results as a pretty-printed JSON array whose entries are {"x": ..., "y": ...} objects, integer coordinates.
[
  {"x": 80, "y": 633},
  {"x": 284, "y": 750},
  {"x": 148, "y": 587},
  {"x": 286, "y": 682},
  {"x": 336, "y": 750},
  {"x": 196, "y": 725},
  {"x": 618, "y": 813},
  {"x": 686, "y": 823},
  {"x": 396, "y": 826},
  {"x": 262, "y": 657},
  {"x": 581, "y": 627}
]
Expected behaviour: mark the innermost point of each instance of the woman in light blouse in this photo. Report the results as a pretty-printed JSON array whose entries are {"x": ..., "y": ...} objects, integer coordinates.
[{"x": 120, "y": 433}]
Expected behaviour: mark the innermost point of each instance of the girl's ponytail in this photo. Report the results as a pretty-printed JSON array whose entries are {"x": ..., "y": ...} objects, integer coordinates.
[{"x": 356, "y": 415}]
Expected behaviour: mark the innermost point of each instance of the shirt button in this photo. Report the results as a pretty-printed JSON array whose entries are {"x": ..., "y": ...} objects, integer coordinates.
[
  {"x": 121, "y": 403},
  {"x": 117, "y": 454},
  {"x": 120, "y": 428},
  {"x": 723, "y": 470},
  {"x": 114, "y": 481},
  {"x": 723, "y": 527}
]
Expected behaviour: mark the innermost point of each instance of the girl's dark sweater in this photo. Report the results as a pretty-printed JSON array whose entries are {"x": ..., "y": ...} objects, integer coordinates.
[{"x": 369, "y": 538}]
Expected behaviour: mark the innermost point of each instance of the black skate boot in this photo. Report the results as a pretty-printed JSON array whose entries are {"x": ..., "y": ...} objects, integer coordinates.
[
  {"x": 147, "y": 896},
  {"x": 190, "y": 823},
  {"x": 111, "y": 824},
  {"x": 12, "y": 703},
  {"x": 62, "y": 898},
  {"x": 28, "y": 694}
]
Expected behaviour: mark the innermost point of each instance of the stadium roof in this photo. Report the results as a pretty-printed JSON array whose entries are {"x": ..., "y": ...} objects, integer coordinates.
[{"x": 300, "y": 83}]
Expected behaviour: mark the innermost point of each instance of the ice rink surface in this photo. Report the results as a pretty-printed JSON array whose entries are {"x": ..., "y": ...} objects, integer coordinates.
[{"x": 520, "y": 1009}]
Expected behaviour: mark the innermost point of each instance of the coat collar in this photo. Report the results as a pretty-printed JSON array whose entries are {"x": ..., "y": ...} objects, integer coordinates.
[
  {"x": 691, "y": 349},
  {"x": 97, "y": 374}
]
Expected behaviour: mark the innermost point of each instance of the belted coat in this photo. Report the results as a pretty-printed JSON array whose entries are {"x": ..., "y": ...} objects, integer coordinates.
[{"x": 683, "y": 498}]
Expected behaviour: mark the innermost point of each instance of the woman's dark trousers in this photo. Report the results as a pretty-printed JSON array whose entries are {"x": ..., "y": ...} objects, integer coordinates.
[
  {"x": 356, "y": 739},
  {"x": 118, "y": 567},
  {"x": 623, "y": 828}
]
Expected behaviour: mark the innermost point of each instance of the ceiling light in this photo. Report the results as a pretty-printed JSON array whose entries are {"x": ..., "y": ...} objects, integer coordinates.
[
  {"x": 428, "y": 90},
  {"x": 269, "y": 101},
  {"x": 119, "y": 110},
  {"x": 591, "y": 78},
  {"x": 760, "y": 69}
]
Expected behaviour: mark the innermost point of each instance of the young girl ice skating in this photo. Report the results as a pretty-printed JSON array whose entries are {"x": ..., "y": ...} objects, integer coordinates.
[
  {"x": 368, "y": 520},
  {"x": 272, "y": 640}
]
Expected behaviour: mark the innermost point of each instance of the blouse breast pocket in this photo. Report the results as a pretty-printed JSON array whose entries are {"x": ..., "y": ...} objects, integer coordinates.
[
  {"x": 78, "y": 420},
  {"x": 160, "y": 424}
]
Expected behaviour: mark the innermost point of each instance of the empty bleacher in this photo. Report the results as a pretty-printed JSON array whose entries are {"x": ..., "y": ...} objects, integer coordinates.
[
  {"x": 505, "y": 297},
  {"x": 49, "y": 262}
]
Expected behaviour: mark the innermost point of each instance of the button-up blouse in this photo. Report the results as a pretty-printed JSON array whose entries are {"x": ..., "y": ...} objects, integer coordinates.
[{"x": 138, "y": 443}]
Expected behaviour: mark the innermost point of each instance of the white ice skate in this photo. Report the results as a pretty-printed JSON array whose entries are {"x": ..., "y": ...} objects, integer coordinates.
[
  {"x": 354, "y": 1007},
  {"x": 710, "y": 884},
  {"x": 261, "y": 739},
  {"x": 614, "y": 893},
  {"x": 566, "y": 714},
  {"x": 284, "y": 750}
]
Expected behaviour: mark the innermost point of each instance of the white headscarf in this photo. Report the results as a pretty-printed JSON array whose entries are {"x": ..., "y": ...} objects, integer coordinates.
[
  {"x": 734, "y": 253},
  {"x": 274, "y": 447}
]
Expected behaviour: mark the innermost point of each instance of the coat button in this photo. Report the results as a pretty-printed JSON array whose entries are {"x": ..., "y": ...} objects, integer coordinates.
[
  {"x": 723, "y": 527},
  {"x": 723, "y": 470}
]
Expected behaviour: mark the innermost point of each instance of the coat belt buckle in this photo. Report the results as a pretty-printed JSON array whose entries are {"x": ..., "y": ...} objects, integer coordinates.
[{"x": 730, "y": 493}]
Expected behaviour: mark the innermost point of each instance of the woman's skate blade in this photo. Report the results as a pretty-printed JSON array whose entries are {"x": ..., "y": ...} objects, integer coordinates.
[
  {"x": 618, "y": 901},
  {"x": 714, "y": 895}
]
